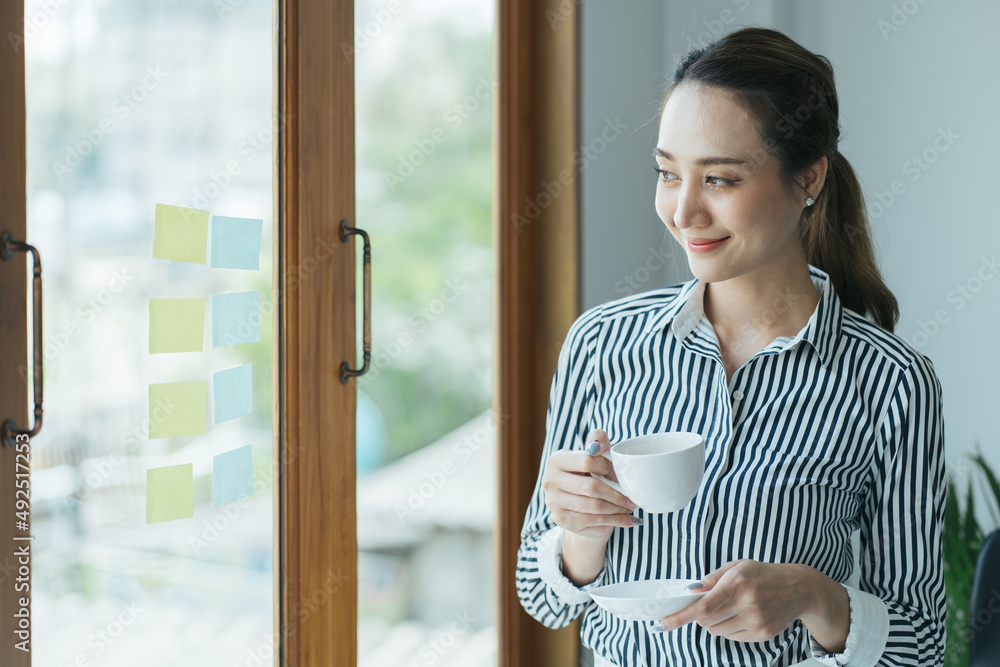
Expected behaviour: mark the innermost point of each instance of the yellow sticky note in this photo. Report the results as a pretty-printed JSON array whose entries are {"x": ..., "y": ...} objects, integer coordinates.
[
  {"x": 180, "y": 234},
  {"x": 177, "y": 408},
  {"x": 169, "y": 493},
  {"x": 176, "y": 325}
]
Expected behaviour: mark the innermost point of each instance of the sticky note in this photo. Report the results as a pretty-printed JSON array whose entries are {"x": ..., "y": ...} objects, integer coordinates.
[
  {"x": 235, "y": 318},
  {"x": 169, "y": 493},
  {"x": 180, "y": 234},
  {"x": 232, "y": 477},
  {"x": 236, "y": 243},
  {"x": 177, "y": 408},
  {"x": 176, "y": 325},
  {"x": 233, "y": 390}
]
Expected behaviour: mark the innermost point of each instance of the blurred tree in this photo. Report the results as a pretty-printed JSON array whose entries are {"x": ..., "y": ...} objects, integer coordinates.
[{"x": 425, "y": 179}]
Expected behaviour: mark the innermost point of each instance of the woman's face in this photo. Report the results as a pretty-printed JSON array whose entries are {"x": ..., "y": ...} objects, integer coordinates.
[{"x": 743, "y": 202}]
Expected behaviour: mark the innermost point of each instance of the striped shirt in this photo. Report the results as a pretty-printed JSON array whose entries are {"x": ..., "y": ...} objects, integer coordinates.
[{"x": 835, "y": 430}]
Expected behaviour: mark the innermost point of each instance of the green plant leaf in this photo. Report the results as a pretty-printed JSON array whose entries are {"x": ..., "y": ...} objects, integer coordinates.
[
  {"x": 994, "y": 485},
  {"x": 970, "y": 528},
  {"x": 963, "y": 567},
  {"x": 952, "y": 511},
  {"x": 961, "y": 543}
]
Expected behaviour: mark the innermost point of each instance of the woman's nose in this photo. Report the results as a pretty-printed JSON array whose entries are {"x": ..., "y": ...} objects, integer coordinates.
[{"x": 689, "y": 207}]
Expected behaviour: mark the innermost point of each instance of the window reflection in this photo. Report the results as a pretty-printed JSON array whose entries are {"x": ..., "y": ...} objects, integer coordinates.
[{"x": 130, "y": 104}]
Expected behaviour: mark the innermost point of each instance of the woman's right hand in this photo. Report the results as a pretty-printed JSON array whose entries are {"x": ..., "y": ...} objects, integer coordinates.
[{"x": 579, "y": 503}]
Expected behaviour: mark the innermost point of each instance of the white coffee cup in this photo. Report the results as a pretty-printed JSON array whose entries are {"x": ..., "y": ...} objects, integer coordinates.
[{"x": 660, "y": 472}]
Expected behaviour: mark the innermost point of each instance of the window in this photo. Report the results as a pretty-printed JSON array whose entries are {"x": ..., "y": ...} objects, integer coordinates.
[{"x": 312, "y": 290}]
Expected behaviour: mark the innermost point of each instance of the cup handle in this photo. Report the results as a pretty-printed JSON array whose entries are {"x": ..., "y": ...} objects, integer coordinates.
[{"x": 614, "y": 485}]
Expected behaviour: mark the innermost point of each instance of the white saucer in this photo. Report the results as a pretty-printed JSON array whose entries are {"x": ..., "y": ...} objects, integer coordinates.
[{"x": 648, "y": 600}]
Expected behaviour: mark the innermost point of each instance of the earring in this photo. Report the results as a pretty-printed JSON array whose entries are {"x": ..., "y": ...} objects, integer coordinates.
[{"x": 810, "y": 201}]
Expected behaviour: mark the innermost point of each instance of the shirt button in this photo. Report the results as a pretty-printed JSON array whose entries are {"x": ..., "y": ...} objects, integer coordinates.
[{"x": 738, "y": 394}]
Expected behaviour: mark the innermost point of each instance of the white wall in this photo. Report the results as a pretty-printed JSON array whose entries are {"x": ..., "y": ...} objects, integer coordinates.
[
  {"x": 897, "y": 92},
  {"x": 623, "y": 77},
  {"x": 938, "y": 71}
]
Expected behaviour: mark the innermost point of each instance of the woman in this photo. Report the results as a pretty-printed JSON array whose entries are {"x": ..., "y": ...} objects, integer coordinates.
[{"x": 817, "y": 421}]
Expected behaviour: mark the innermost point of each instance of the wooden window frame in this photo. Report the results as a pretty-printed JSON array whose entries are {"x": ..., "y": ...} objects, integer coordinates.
[
  {"x": 538, "y": 294},
  {"x": 316, "y": 588},
  {"x": 536, "y": 129},
  {"x": 13, "y": 314},
  {"x": 536, "y": 123}
]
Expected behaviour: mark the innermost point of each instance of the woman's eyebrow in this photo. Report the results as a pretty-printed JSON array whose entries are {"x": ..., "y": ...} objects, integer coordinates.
[{"x": 702, "y": 161}]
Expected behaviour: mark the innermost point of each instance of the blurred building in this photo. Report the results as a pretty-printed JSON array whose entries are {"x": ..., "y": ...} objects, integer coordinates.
[{"x": 426, "y": 553}]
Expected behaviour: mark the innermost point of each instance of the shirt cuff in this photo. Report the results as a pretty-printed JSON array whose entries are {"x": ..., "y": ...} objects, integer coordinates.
[
  {"x": 550, "y": 570},
  {"x": 868, "y": 634}
]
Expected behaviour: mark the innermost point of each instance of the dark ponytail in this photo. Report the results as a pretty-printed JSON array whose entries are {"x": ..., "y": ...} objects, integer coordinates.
[{"x": 790, "y": 90}]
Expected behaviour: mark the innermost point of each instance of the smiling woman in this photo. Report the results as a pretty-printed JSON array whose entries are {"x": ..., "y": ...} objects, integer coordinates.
[
  {"x": 817, "y": 421},
  {"x": 737, "y": 219}
]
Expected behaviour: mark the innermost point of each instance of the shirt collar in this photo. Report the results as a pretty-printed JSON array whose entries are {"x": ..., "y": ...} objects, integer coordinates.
[{"x": 684, "y": 311}]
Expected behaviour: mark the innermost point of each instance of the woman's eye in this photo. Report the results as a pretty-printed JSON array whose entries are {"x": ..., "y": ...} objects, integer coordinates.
[
  {"x": 714, "y": 181},
  {"x": 719, "y": 181},
  {"x": 663, "y": 174}
]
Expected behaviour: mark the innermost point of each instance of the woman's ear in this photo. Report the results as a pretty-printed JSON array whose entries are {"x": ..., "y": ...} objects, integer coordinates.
[{"x": 814, "y": 176}]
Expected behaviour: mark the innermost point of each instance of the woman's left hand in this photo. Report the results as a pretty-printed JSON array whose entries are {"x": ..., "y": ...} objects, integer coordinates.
[{"x": 749, "y": 601}]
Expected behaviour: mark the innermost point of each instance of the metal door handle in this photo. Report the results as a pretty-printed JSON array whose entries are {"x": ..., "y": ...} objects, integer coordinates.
[
  {"x": 8, "y": 246},
  {"x": 345, "y": 369}
]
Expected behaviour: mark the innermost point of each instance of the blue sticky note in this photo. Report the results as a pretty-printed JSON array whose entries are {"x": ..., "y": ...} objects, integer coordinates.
[
  {"x": 235, "y": 318},
  {"x": 232, "y": 389},
  {"x": 232, "y": 475},
  {"x": 236, "y": 243}
]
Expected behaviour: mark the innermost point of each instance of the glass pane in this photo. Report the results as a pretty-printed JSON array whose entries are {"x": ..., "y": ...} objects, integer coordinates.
[
  {"x": 153, "y": 539},
  {"x": 426, "y": 433}
]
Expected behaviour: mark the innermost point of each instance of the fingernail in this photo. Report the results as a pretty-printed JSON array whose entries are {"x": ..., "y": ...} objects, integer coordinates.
[
  {"x": 695, "y": 585},
  {"x": 657, "y": 628},
  {"x": 594, "y": 448},
  {"x": 629, "y": 504},
  {"x": 636, "y": 521}
]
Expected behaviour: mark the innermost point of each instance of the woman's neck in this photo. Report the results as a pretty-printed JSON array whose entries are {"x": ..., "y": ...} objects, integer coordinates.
[{"x": 758, "y": 305}]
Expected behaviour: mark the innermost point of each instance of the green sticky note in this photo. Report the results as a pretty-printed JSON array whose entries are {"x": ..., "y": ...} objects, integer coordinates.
[
  {"x": 176, "y": 325},
  {"x": 169, "y": 493},
  {"x": 177, "y": 408},
  {"x": 232, "y": 475},
  {"x": 180, "y": 234}
]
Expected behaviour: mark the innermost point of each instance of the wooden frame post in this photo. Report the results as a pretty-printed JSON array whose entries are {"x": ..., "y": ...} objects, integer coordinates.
[
  {"x": 13, "y": 316},
  {"x": 537, "y": 244},
  {"x": 317, "y": 552}
]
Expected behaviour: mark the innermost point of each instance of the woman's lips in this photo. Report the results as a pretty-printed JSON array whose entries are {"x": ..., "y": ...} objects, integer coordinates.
[{"x": 704, "y": 245}]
